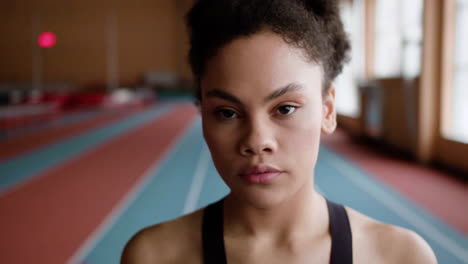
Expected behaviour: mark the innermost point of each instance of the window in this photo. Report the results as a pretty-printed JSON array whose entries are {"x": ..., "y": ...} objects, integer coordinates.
[
  {"x": 388, "y": 39},
  {"x": 458, "y": 125},
  {"x": 412, "y": 38},
  {"x": 347, "y": 99},
  {"x": 398, "y": 38}
]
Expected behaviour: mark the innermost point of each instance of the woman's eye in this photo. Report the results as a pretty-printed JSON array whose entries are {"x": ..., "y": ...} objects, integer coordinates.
[
  {"x": 226, "y": 114},
  {"x": 286, "y": 109}
]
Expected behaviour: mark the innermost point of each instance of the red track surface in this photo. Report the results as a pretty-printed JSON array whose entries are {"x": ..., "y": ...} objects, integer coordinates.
[
  {"x": 438, "y": 192},
  {"x": 47, "y": 221},
  {"x": 22, "y": 144}
]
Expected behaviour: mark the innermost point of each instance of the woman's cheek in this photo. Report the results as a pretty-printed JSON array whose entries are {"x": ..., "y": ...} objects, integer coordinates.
[
  {"x": 306, "y": 139},
  {"x": 219, "y": 138}
]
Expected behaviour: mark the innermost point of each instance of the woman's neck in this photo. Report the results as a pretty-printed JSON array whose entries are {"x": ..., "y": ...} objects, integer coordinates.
[{"x": 303, "y": 214}]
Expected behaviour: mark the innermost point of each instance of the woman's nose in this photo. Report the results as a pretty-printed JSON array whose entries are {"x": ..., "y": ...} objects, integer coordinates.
[{"x": 258, "y": 139}]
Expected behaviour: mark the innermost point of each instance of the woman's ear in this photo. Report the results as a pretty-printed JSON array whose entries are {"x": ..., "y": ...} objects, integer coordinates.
[{"x": 329, "y": 111}]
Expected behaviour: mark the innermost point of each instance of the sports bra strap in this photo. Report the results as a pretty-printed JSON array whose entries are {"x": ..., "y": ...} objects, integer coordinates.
[
  {"x": 340, "y": 229},
  {"x": 213, "y": 234}
]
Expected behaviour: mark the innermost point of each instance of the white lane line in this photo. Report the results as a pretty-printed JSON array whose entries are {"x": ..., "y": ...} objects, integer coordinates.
[
  {"x": 197, "y": 182},
  {"x": 128, "y": 199},
  {"x": 405, "y": 213}
]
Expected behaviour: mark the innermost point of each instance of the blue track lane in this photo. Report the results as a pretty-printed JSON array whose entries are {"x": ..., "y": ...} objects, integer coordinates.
[
  {"x": 25, "y": 167},
  {"x": 164, "y": 198}
]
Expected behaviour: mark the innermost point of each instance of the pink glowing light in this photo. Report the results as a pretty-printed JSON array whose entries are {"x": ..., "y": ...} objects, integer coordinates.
[{"x": 47, "y": 40}]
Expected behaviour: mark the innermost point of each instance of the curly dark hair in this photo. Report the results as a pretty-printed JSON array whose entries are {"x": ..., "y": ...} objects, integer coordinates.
[{"x": 311, "y": 25}]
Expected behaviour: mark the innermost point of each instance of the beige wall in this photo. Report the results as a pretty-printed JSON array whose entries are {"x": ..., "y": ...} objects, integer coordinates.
[{"x": 149, "y": 32}]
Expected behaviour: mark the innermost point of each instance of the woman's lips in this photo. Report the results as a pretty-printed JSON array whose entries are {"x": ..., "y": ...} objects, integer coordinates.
[
  {"x": 260, "y": 174},
  {"x": 261, "y": 178}
]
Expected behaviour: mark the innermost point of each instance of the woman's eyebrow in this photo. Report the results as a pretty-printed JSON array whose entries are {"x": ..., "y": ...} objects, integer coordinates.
[
  {"x": 223, "y": 95},
  {"x": 282, "y": 90},
  {"x": 277, "y": 93}
]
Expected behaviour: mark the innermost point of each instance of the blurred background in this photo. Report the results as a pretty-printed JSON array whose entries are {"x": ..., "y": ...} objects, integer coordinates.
[{"x": 99, "y": 136}]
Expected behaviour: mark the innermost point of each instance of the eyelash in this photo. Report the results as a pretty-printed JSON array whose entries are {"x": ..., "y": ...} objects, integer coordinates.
[
  {"x": 219, "y": 112},
  {"x": 287, "y": 105}
]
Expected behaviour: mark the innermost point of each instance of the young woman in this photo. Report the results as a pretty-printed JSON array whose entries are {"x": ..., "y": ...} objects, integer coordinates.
[{"x": 265, "y": 71}]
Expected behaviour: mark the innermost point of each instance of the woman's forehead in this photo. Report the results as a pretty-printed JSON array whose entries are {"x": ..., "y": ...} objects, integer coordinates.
[{"x": 263, "y": 60}]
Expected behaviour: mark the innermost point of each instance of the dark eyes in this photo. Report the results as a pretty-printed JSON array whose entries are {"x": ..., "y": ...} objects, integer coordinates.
[
  {"x": 286, "y": 109},
  {"x": 225, "y": 113}
]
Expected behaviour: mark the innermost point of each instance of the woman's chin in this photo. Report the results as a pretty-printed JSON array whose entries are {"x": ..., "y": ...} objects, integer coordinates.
[{"x": 259, "y": 198}]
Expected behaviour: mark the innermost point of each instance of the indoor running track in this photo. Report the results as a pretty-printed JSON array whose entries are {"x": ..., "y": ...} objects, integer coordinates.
[{"x": 78, "y": 194}]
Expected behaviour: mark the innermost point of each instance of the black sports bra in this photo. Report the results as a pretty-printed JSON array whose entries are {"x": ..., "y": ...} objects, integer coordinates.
[{"x": 213, "y": 234}]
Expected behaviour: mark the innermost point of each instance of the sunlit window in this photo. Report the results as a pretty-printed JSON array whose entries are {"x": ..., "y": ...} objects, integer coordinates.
[
  {"x": 458, "y": 129},
  {"x": 347, "y": 97},
  {"x": 398, "y": 38},
  {"x": 412, "y": 20},
  {"x": 388, "y": 39}
]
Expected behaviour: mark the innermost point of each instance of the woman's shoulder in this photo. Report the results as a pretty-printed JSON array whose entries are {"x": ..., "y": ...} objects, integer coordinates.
[
  {"x": 385, "y": 243},
  {"x": 174, "y": 241}
]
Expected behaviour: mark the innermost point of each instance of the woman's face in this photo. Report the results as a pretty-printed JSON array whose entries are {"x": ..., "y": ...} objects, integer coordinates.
[{"x": 262, "y": 113}]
